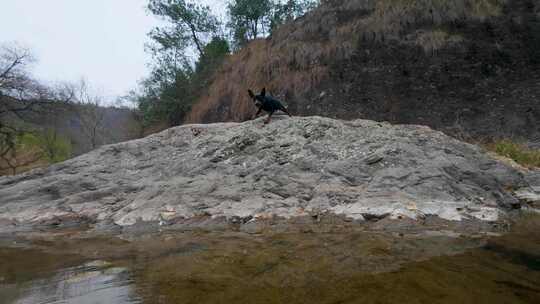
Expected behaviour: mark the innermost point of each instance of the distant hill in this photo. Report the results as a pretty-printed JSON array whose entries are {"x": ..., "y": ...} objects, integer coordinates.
[
  {"x": 470, "y": 68},
  {"x": 118, "y": 125},
  {"x": 70, "y": 120},
  {"x": 81, "y": 128}
]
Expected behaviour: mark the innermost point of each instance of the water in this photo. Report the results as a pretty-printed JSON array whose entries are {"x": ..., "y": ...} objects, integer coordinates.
[
  {"x": 229, "y": 267},
  {"x": 79, "y": 285}
]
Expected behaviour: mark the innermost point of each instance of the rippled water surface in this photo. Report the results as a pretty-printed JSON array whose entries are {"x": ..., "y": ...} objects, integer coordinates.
[{"x": 307, "y": 267}]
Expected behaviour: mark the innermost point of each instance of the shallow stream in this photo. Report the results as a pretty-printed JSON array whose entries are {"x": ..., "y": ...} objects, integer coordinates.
[{"x": 300, "y": 267}]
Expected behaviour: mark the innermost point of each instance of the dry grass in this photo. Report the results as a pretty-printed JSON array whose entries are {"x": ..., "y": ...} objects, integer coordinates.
[
  {"x": 296, "y": 58},
  {"x": 26, "y": 160},
  {"x": 520, "y": 153},
  {"x": 432, "y": 41},
  {"x": 155, "y": 128}
]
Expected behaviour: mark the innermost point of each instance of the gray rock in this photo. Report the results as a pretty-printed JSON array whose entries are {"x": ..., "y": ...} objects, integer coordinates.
[
  {"x": 530, "y": 196},
  {"x": 373, "y": 159},
  {"x": 292, "y": 167}
]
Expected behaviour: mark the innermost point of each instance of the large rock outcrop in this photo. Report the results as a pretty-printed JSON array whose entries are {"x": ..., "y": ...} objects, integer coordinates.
[{"x": 291, "y": 167}]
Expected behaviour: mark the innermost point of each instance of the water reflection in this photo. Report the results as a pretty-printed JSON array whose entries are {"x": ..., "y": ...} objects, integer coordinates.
[{"x": 95, "y": 282}]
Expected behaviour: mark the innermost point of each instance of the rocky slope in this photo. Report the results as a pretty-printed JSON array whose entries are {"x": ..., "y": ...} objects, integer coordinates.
[
  {"x": 292, "y": 167},
  {"x": 469, "y": 68}
]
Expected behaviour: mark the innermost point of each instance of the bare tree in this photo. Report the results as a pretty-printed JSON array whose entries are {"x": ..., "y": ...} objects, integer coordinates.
[
  {"x": 91, "y": 113},
  {"x": 63, "y": 95},
  {"x": 14, "y": 61},
  {"x": 14, "y": 84},
  {"x": 25, "y": 141},
  {"x": 20, "y": 97},
  {"x": 137, "y": 126}
]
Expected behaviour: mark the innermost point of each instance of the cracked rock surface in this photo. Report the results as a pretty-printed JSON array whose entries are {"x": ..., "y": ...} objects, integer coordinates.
[{"x": 292, "y": 167}]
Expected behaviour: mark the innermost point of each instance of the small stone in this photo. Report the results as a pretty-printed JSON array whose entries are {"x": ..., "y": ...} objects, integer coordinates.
[{"x": 373, "y": 159}]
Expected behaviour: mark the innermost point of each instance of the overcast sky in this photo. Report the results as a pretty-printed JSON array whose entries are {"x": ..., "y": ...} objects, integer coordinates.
[{"x": 99, "y": 40}]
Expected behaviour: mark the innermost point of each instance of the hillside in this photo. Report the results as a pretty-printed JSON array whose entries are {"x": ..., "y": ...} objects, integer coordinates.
[
  {"x": 469, "y": 68},
  {"x": 73, "y": 121},
  {"x": 115, "y": 125},
  {"x": 66, "y": 128},
  {"x": 234, "y": 173}
]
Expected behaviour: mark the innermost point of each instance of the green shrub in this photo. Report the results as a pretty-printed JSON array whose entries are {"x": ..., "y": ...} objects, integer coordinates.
[
  {"x": 519, "y": 153},
  {"x": 53, "y": 147}
]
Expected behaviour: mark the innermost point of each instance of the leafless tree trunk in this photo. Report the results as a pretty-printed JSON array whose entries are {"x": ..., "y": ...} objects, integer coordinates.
[
  {"x": 14, "y": 83},
  {"x": 20, "y": 96},
  {"x": 91, "y": 113}
]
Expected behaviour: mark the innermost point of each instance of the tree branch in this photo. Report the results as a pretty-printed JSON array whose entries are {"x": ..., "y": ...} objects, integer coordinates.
[
  {"x": 195, "y": 38},
  {"x": 17, "y": 61}
]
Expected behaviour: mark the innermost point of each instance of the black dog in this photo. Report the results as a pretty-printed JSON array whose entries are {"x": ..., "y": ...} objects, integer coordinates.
[{"x": 267, "y": 103}]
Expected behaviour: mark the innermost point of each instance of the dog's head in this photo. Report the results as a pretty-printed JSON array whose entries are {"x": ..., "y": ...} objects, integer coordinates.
[{"x": 258, "y": 99}]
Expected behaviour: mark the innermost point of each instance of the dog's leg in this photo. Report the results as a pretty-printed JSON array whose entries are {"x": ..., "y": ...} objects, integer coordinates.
[
  {"x": 267, "y": 121},
  {"x": 286, "y": 111},
  {"x": 257, "y": 114}
]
